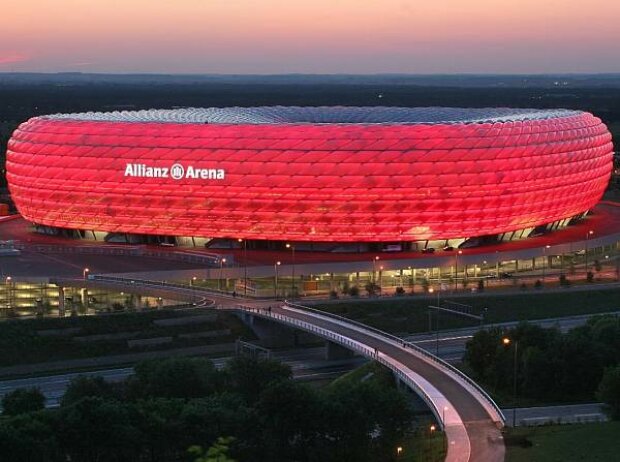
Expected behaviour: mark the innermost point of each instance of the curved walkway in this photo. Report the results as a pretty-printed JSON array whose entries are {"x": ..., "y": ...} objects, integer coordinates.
[{"x": 471, "y": 419}]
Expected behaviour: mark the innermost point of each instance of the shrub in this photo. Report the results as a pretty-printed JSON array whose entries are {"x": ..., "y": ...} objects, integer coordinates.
[
  {"x": 400, "y": 291},
  {"x": 538, "y": 284},
  {"x": 354, "y": 291},
  {"x": 609, "y": 391},
  {"x": 590, "y": 276},
  {"x": 333, "y": 294},
  {"x": 22, "y": 401}
]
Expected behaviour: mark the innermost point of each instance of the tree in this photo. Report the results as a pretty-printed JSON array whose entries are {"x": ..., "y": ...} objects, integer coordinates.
[
  {"x": 481, "y": 351},
  {"x": 480, "y": 285},
  {"x": 83, "y": 386},
  {"x": 174, "y": 378},
  {"x": 218, "y": 452},
  {"x": 290, "y": 419},
  {"x": 29, "y": 438},
  {"x": 99, "y": 429},
  {"x": 250, "y": 376},
  {"x": 590, "y": 276},
  {"x": 609, "y": 391},
  {"x": 22, "y": 401}
]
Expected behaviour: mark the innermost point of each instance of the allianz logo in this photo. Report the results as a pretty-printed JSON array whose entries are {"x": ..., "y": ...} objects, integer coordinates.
[{"x": 176, "y": 172}]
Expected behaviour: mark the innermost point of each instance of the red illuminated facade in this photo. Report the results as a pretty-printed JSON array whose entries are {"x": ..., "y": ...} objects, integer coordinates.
[{"x": 309, "y": 174}]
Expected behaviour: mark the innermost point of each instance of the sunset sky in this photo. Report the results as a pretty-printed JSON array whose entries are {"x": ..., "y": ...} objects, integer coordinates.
[{"x": 310, "y": 36}]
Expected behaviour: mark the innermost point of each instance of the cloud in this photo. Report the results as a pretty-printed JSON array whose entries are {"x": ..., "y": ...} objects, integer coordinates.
[{"x": 12, "y": 57}]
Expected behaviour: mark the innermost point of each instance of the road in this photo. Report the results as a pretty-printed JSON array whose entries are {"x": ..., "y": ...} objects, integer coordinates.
[
  {"x": 306, "y": 364},
  {"x": 568, "y": 413},
  {"x": 450, "y": 345}
]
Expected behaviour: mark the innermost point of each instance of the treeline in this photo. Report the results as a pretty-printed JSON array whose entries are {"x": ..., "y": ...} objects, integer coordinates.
[
  {"x": 170, "y": 405},
  {"x": 551, "y": 366}
]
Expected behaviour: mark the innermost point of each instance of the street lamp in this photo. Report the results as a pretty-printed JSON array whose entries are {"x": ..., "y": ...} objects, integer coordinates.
[
  {"x": 507, "y": 341},
  {"x": 374, "y": 268},
  {"x": 590, "y": 233},
  {"x": 8, "y": 292},
  {"x": 85, "y": 273},
  {"x": 275, "y": 284},
  {"x": 192, "y": 281},
  {"x": 292, "y": 247},
  {"x": 430, "y": 439},
  {"x": 219, "y": 280},
  {"x": 544, "y": 261},
  {"x": 245, "y": 266},
  {"x": 399, "y": 452},
  {"x": 456, "y": 269}
]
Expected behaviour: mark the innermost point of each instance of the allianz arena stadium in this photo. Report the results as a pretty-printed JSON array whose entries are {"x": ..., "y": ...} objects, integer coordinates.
[{"x": 311, "y": 174}]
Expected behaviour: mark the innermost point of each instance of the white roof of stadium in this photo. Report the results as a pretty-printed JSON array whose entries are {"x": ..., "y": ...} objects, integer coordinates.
[{"x": 323, "y": 115}]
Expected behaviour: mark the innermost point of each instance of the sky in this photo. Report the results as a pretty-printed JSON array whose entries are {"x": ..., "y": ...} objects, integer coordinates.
[{"x": 310, "y": 36}]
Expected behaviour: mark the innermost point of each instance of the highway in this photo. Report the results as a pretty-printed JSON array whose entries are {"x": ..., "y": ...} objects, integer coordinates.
[
  {"x": 563, "y": 413},
  {"x": 450, "y": 345},
  {"x": 306, "y": 364}
]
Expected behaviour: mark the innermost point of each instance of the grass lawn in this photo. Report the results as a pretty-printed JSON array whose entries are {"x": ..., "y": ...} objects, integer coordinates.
[
  {"x": 565, "y": 443},
  {"x": 411, "y": 315}
]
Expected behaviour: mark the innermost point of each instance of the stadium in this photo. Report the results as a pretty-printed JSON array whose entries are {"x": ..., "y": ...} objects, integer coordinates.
[{"x": 329, "y": 178}]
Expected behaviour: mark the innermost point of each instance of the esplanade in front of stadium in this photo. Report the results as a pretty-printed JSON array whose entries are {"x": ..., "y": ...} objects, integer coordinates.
[{"x": 328, "y": 178}]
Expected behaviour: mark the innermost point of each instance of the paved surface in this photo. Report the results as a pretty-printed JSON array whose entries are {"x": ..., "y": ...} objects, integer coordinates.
[
  {"x": 605, "y": 222},
  {"x": 569, "y": 413},
  {"x": 484, "y": 436},
  {"x": 450, "y": 345},
  {"x": 307, "y": 364}
]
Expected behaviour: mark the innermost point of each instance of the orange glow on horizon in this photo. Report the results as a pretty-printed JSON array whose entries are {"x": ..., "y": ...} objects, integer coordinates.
[{"x": 274, "y": 36}]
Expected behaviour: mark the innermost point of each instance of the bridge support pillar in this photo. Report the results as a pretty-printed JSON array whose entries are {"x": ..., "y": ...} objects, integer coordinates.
[
  {"x": 270, "y": 334},
  {"x": 336, "y": 351}
]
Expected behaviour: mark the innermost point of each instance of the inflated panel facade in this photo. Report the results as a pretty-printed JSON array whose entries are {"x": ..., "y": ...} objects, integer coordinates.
[{"x": 308, "y": 181}]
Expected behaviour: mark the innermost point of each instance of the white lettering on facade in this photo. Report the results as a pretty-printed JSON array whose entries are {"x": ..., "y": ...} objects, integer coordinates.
[{"x": 176, "y": 172}]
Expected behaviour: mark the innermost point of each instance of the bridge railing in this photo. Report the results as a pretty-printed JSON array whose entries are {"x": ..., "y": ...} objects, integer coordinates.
[
  {"x": 398, "y": 368},
  {"x": 195, "y": 291},
  {"x": 431, "y": 357}
]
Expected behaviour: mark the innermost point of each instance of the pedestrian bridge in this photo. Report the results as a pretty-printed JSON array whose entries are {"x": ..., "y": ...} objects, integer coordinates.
[{"x": 470, "y": 418}]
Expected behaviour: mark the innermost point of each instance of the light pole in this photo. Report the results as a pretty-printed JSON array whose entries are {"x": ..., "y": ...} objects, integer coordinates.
[
  {"x": 544, "y": 261},
  {"x": 292, "y": 247},
  {"x": 245, "y": 266},
  {"x": 374, "y": 268},
  {"x": 275, "y": 284},
  {"x": 456, "y": 269},
  {"x": 590, "y": 233},
  {"x": 85, "y": 273},
  {"x": 219, "y": 280},
  {"x": 506, "y": 341},
  {"x": 431, "y": 434},
  {"x": 8, "y": 292}
]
